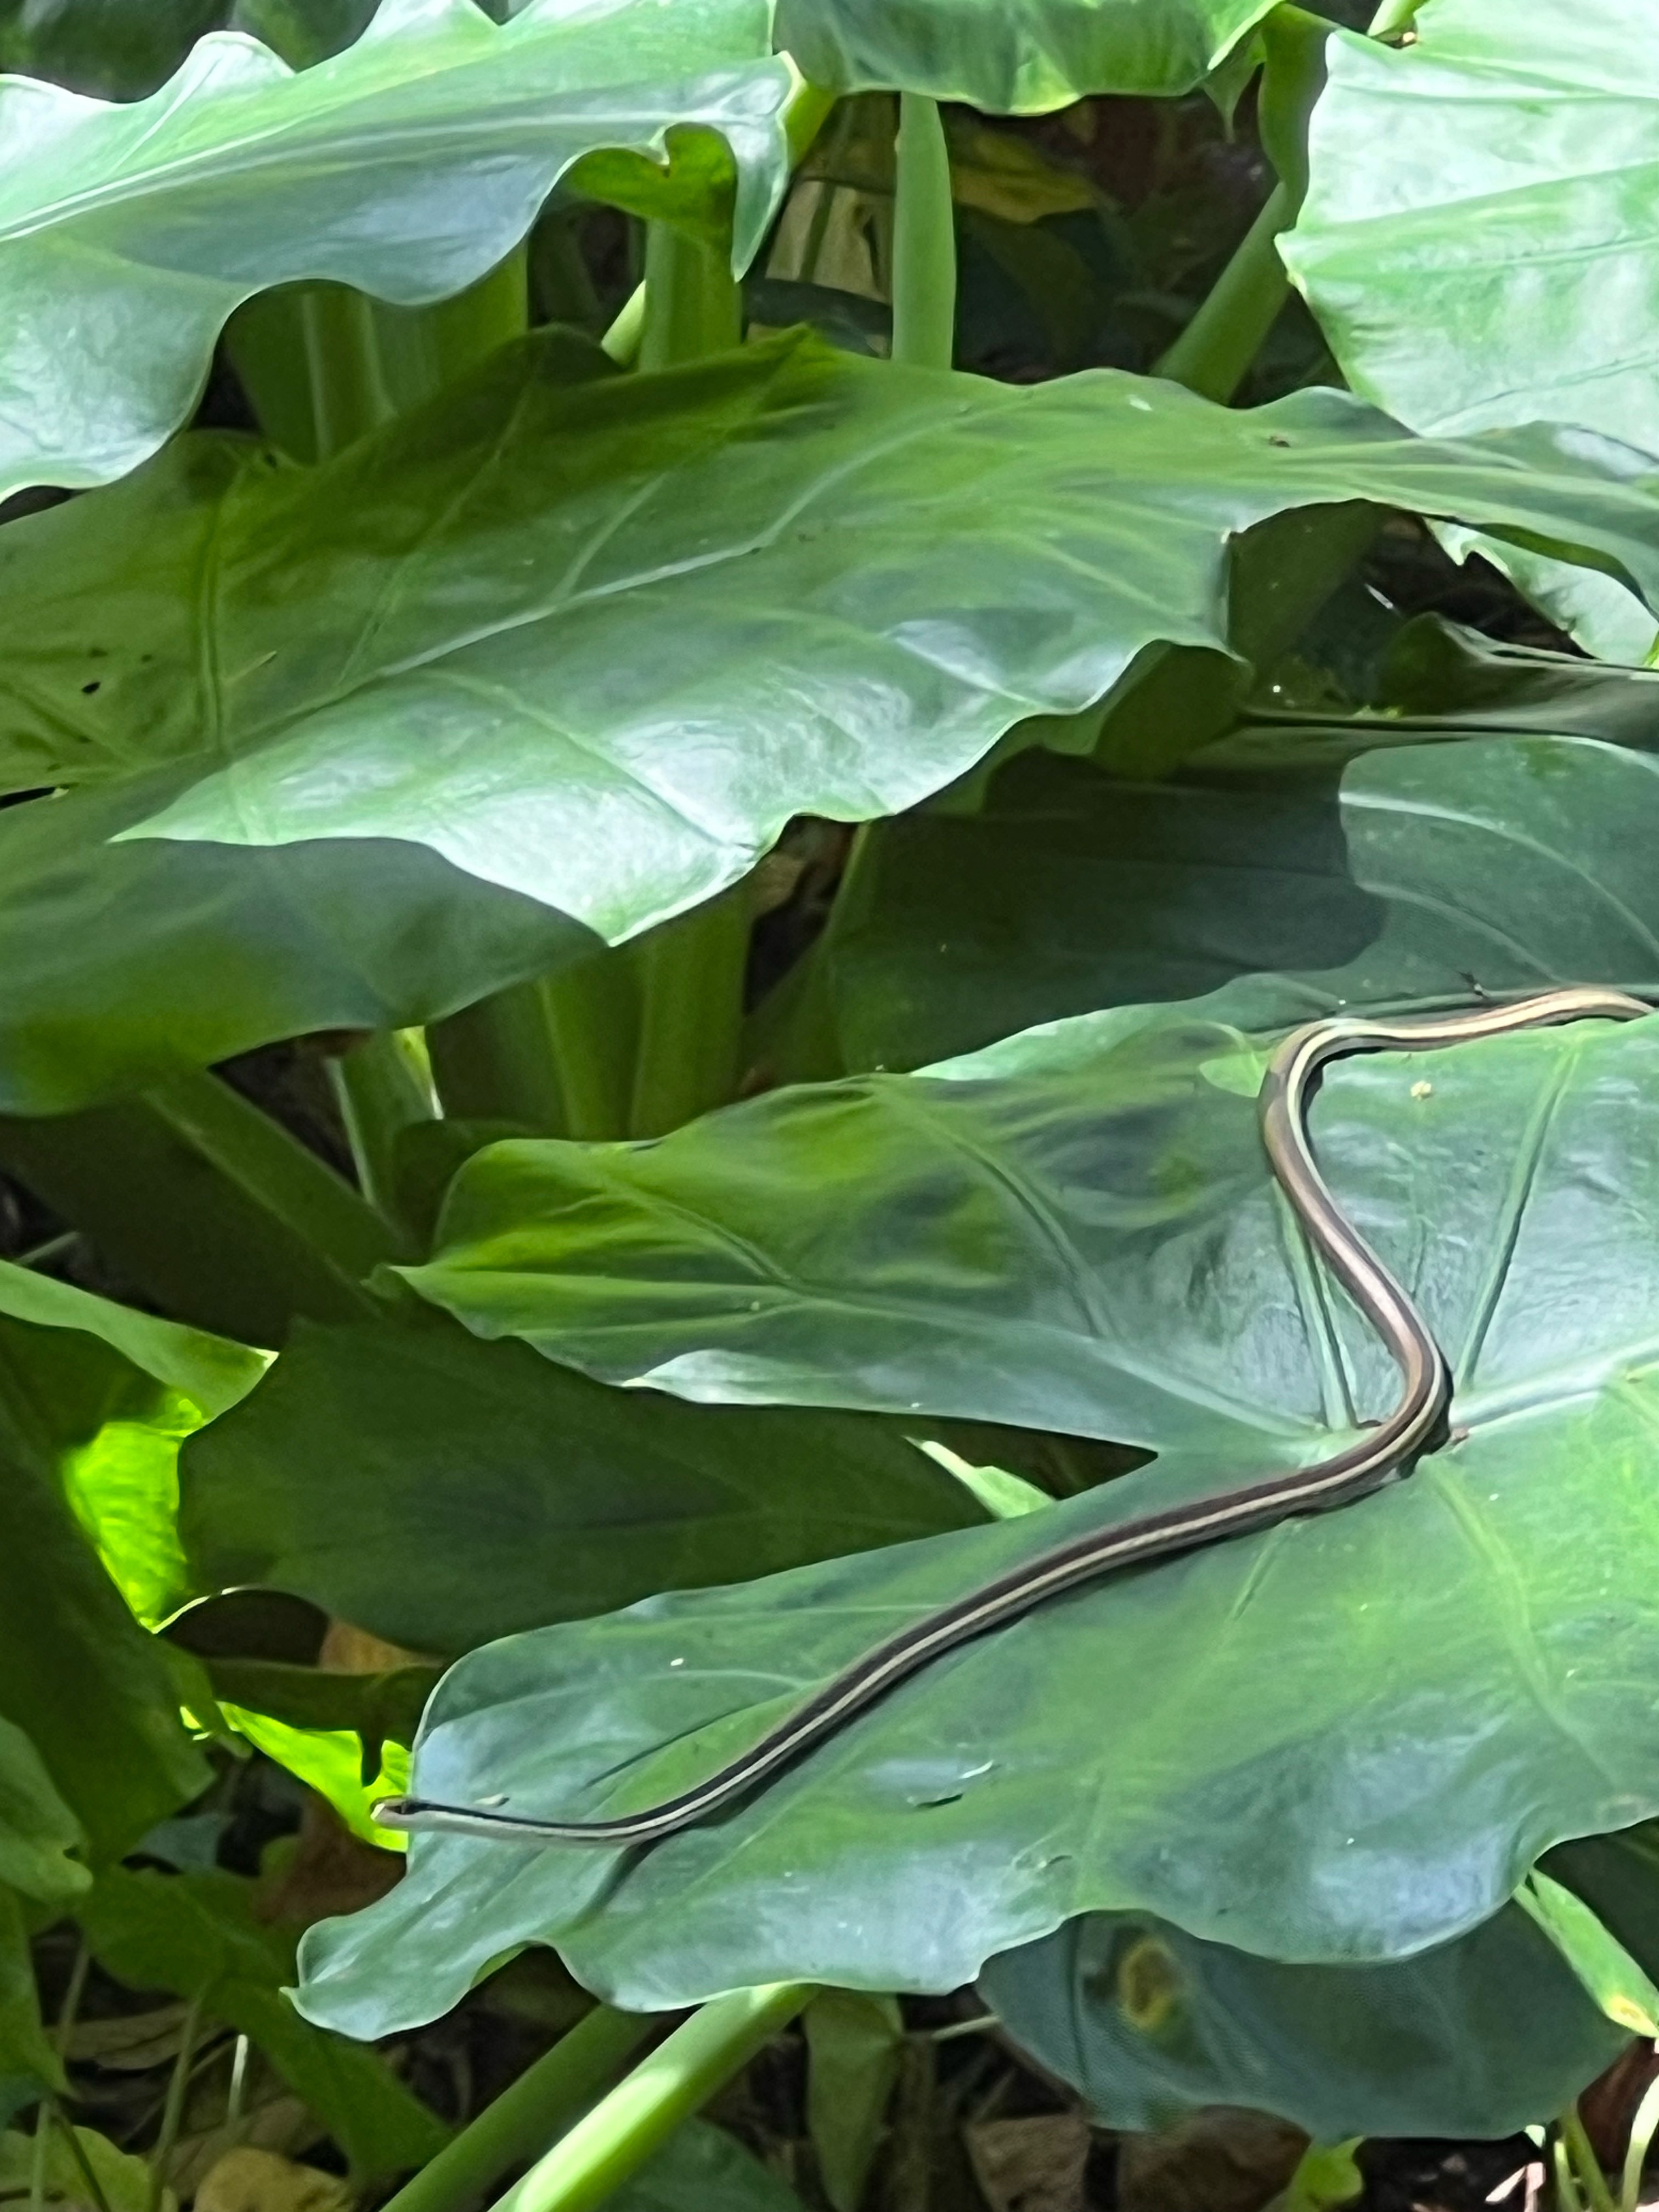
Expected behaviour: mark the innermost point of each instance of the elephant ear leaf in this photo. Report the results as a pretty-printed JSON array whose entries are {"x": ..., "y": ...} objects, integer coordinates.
[
  {"x": 1110, "y": 1167},
  {"x": 406, "y": 166}
]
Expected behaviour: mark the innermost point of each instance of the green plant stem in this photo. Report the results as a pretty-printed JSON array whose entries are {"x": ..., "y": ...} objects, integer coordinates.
[
  {"x": 323, "y": 365},
  {"x": 382, "y": 1086},
  {"x": 1580, "y": 2154},
  {"x": 172, "y": 2111},
  {"x": 693, "y": 303},
  {"x": 924, "y": 239},
  {"x": 529, "y": 2112},
  {"x": 1643, "y": 2128},
  {"x": 612, "y": 2142},
  {"x": 1393, "y": 17},
  {"x": 210, "y": 1207},
  {"x": 691, "y": 978},
  {"x": 77, "y": 2151},
  {"x": 621, "y": 340},
  {"x": 1213, "y": 354}
]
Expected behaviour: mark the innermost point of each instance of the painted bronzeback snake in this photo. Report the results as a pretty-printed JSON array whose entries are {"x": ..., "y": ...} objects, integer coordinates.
[{"x": 1390, "y": 1448}]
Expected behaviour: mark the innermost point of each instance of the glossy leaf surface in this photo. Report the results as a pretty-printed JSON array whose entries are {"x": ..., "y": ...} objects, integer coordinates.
[
  {"x": 1478, "y": 238},
  {"x": 1503, "y": 1595},
  {"x": 850, "y": 581},
  {"x": 408, "y": 165}
]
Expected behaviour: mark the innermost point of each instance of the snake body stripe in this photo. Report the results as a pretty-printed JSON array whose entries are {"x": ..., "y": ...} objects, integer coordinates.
[{"x": 1416, "y": 1424}]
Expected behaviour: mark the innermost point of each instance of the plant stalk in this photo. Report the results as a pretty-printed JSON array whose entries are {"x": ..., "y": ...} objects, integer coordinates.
[
  {"x": 172, "y": 2111},
  {"x": 382, "y": 1087},
  {"x": 924, "y": 239},
  {"x": 691, "y": 978},
  {"x": 1213, "y": 354},
  {"x": 1393, "y": 17},
  {"x": 209, "y": 1205},
  {"x": 621, "y": 340},
  {"x": 1643, "y": 2128},
  {"x": 693, "y": 303},
  {"x": 611, "y": 2142},
  {"x": 323, "y": 365},
  {"x": 528, "y": 2111},
  {"x": 1580, "y": 2155}
]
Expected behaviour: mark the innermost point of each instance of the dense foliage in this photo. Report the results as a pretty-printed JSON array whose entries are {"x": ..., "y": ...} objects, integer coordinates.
[{"x": 687, "y": 689}]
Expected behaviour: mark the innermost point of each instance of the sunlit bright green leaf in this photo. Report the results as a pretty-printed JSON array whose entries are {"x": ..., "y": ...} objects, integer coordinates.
[
  {"x": 408, "y": 165},
  {"x": 94, "y": 1400}
]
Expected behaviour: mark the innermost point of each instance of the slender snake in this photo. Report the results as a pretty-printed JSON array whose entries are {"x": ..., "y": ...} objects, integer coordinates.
[{"x": 1392, "y": 1447}]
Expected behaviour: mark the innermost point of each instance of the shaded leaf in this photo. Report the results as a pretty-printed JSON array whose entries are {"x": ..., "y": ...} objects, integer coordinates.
[
  {"x": 1403, "y": 879},
  {"x": 114, "y": 51},
  {"x": 1474, "y": 2037},
  {"x": 123, "y": 2179},
  {"x": 491, "y": 1490},
  {"x": 125, "y": 965},
  {"x": 196, "y": 1935},
  {"x": 408, "y": 165},
  {"x": 855, "y": 2041},
  {"x": 1505, "y": 1594},
  {"x": 700, "y": 2166},
  {"x": 28, "y": 2064},
  {"x": 1013, "y": 57},
  {"x": 208, "y": 1205},
  {"x": 37, "y": 1831}
]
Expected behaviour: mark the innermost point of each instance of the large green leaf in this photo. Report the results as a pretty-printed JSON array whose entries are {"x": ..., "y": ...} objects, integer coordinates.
[
  {"x": 1478, "y": 240},
  {"x": 491, "y": 1490},
  {"x": 849, "y": 581},
  {"x": 197, "y": 1935},
  {"x": 1343, "y": 1741},
  {"x": 93, "y": 1401},
  {"x": 1405, "y": 880},
  {"x": 1476, "y": 2037},
  {"x": 408, "y": 165},
  {"x": 1478, "y": 237},
  {"x": 1013, "y": 57}
]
